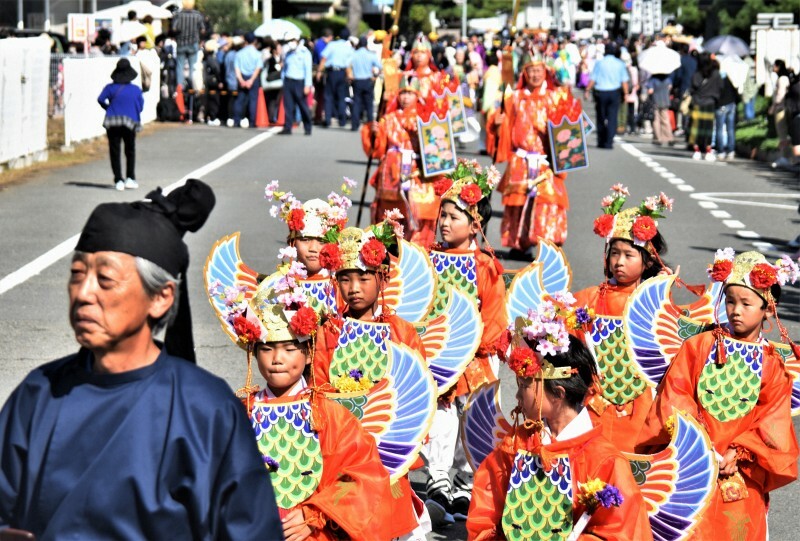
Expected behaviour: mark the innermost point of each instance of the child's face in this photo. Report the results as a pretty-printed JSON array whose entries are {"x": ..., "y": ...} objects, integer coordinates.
[
  {"x": 282, "y": 365},
  {"x": 455, "y": 227},
  {"x": 308, "y": 249},
  {"x": 746, "y": 312},
  {"x": 625, "y": 263},
  {"x": 359, "y": 289},
  {"x": 406, "y": 99},
  {"x": 529, "y": 395}
]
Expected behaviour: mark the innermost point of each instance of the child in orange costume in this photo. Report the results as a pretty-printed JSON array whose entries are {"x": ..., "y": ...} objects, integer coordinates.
[
  {"x": 556, "y": 462},
  {"x": 354, "y": 340},
  {"x": 753, "y": 434},
  {"x": 619, "y": 401},
  {"x": 326, "y": 470},
  {"x": 517, "y": 134},
  {"x": 465, "y": 212}
]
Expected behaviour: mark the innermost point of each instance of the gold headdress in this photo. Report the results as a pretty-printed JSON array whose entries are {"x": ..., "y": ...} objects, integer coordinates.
[{"x": 638, "y": 224}]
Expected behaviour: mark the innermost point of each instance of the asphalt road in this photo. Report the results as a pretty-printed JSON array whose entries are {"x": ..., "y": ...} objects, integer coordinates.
[{"x": 716, "y": 205}]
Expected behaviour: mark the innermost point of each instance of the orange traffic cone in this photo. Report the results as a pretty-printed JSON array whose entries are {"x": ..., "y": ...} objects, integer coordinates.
[
  {"x": 281, "y": 117},
  {"x": 262, "y": 118},
  {"x": 179, "y": 101}
]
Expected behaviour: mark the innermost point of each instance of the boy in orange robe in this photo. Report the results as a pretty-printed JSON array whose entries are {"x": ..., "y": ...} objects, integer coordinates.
[
  {"x": 751, "y": 427},
  {"x": 464, "y": 214},
  {"x": 359, "y": 263},
  {"x": 517, "y": 134},
  {"x": 547, "y": 465},
  {"x": 629, "y": 260}
]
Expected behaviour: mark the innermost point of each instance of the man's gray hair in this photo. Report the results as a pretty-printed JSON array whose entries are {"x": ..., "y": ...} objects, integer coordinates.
[{"x": 154, "y": 279}]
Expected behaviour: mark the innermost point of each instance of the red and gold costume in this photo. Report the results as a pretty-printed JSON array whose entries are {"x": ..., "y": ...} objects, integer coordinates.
[
  {"x": 588, "y": 456},
  {"x": 621, "y": 423},
  {"x": 522, "y": 141},
  {"x": 764, "y": 437},
  {"x": 353, "y": 496}
]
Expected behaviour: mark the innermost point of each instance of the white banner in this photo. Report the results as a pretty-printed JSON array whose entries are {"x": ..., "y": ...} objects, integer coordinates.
[
  {"x": 647, "y": 18},
  {"x": 658, "y": 22},
  {"x": 599, "y": 20},
  {"x": 636, "y": 18},
  {"x": 24, "y": 76},
  {"x": 84, "y": 80}
]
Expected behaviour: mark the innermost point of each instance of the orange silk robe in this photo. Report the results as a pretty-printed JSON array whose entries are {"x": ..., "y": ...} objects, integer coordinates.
[
  {"x": 523, "y": 133},
  {"x": 765, "y": 436},
  {"x": 591, "y": 456},
  {"x": 354, "y": 493},
  {"x": 403, "y": 519},
  {"x": 621, "y": 424},
  {"x": 397, "y": 134},
  {"x": 492, "y": 305}
]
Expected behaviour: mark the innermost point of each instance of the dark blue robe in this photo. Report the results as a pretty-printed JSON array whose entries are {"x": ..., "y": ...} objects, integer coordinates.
[{"x": 162, "y": 452}]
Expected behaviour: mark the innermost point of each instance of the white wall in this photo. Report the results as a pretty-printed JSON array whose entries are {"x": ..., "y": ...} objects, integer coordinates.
[
  {"x": 84, "y": 79},
  {"x": 24, "y": 79}
]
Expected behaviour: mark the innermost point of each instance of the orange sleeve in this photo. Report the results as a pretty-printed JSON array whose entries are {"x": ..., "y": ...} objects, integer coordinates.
[
  {"x": 354, "y": 491},
  {"x": 677, "y": 390},
  {"x": 490, "y": 486},
  {"x": 770, "y": 440},
  {"x": 404, "y": 332},
  {"x": 492, "y": 294},
  {"x": 376, "y": 146},
  {"x": 327, "y": 337},
  {"x": 628, "y": 521},
  {"x": 504, "y": 131}
]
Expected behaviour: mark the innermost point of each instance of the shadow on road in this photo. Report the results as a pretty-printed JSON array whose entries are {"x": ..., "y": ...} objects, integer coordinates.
[{"x": 103, "y": 186}]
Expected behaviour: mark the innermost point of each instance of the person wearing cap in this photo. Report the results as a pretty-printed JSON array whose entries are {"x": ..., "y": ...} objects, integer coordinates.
[
  {"x": 122, "y": 440},
  {"x": 734, "y": 381},
  {"x": 328, "y": 477},
  {"x": 620, "y": 399},
  {"x": 420, "y": 67},
  {"x": 123, "y": 103},
  {"x": 540, "y": 481},
  {"x": 247, "y": 65},
  {"x": 334, "y": 60},
  {"x": 365, "y": 67},
  {"x": 610, "y": 82},
  {"x": 297, "y": 85},
  {"x": 535, "y": 198}
]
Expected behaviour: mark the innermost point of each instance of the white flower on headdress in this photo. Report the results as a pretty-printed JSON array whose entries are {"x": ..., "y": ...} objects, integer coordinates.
[
  {"x": 788, "y": 271},
  {"x": 607, "y": 201},
  {"x": 298, "y": 270},
  {"x": 620, "y": 190},
  {"x": 725, "y": 254},
  {"x": 289, "y": 253},
  {"x": 274, "y": 210},
  {"x": 492, "y": 176},
  {"x": 348, "y": 185},
  {"x": 564, "y": 297},
  {"x": 665, "y": 201},
  {"x": 295, "y": 297},
  {"x": 652, "y": 203},
  {"x": 271, "y": 189},
  {"x": 340, "y": 201}
]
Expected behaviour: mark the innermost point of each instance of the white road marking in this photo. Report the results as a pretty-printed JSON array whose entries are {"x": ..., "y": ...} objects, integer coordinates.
[
  {"x": 707, "y": 204},
  {"x": 720, "y": 214},
  {"x": 667, "y": 174},
  {"x": 733, "y": 224},
  {"x": 732, "y": 198},
  {"x": 685, "y": 188},
  {"x": 632, "y": 150},
  {"x": 765, "y": 246},
  {"x": 675, "y": 180},
  {"x": 748, "y": 234},
  {"x": 659, "y": 169},
  {"x": 39, "y": 264}
]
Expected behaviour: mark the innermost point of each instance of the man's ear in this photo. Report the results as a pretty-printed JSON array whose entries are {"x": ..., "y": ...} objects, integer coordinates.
[{"x": 161, "y": 302}]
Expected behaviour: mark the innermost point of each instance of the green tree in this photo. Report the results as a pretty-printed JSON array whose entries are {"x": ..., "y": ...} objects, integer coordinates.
[
  {"x": 688, "y": 14},
  {"x": 738, "y": 22},
  {"x": 228, "y": 15}
]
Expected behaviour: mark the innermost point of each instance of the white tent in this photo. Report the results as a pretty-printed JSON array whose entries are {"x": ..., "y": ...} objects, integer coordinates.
[{"x": 141, "y": 7}]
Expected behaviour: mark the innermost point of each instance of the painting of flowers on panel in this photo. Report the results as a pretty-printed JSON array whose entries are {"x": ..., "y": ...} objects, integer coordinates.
[
  {"x": 568, "y": 145},
  {"x": 437, "y": 145}
]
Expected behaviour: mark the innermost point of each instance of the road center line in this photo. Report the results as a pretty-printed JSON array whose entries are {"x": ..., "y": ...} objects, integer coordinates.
[{"x": 39, "y": 264}]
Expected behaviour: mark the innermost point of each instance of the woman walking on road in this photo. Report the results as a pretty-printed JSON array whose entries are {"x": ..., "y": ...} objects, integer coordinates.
[{"x": 123, "y": 103}]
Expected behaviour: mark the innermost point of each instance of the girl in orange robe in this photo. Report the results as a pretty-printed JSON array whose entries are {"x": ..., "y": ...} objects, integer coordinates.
[
  {"x": 536, "y": 483},
  {"x": 628, "y": 261},
  {"x": 751, "y": 428},
  {"x": 518, "y": 135}
]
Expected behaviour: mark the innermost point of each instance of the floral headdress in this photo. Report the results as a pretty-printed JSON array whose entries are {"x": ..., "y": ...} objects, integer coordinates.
[
  {"x": 638, "y": 224},
  {"x": 363, "y": 249},
  {"x": 544, "y": 331},
  {"x": 467, "y": 185},
  {"x": 315, "y": 218},
  {"x": 753, "y": 271}
]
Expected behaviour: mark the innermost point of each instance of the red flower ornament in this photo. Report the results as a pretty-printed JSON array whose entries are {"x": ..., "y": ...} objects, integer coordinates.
[
  {"x": 373, "y": 253},
  {"x": 603, "y": 225},
  {"x": 304, "y": 322},
  {"x": 721, "y": 270},
  {"x": 441, "y": 186},
  {"x": 471, "y": 194},
  {"x": 763, "y": 276},
  {"x": 296, "y": 219},
  {"x": 330, "y": 257},
  {"x": 524, "y": 363},
  {"x": 247, "y": 331},
  {"x": 644, "y": 228}
]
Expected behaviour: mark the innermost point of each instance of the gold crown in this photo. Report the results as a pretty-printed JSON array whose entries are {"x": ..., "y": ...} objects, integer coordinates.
[
  {"x": 272, "y": 316},
  {"x": 742, "y": 273}
]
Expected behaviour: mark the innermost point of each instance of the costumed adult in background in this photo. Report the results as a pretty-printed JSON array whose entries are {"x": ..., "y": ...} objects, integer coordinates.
[
  {"x": 535, "y": 199},
  {"x": 123, "y": 103},
  {"x": 421, "y": 67},
  {"x": 122, "y": 440}
]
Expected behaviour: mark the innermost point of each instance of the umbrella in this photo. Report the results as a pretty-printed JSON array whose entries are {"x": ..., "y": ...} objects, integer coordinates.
[
  {"x": 659, "y": 59},
  {"x": 128, "y": 31},
  {"x": 141, "y": 7},
  {"x": 279, "y": 29},
  {"x": 735, "y": 69},
  {"x": 727, "y": 45}
]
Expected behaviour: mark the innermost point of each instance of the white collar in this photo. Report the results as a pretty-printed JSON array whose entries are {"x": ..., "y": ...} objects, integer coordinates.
[
  {"x": 578, "y": 426},
  {"x": 296, "y": 389}
]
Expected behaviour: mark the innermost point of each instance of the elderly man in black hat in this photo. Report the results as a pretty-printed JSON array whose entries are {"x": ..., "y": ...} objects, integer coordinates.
[
  {"x": 123, "y": 102},
  {"x": 122, "y": 440}
]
